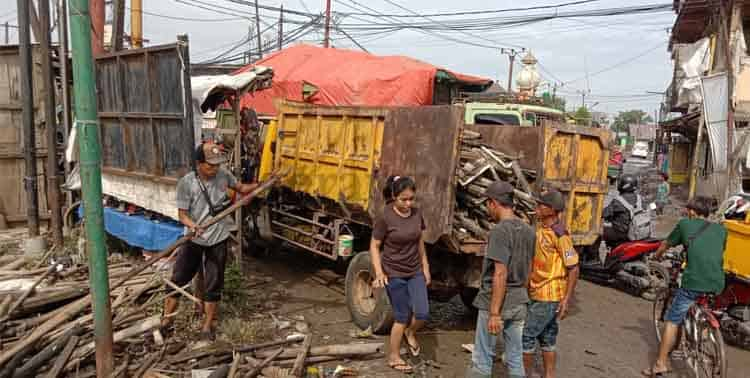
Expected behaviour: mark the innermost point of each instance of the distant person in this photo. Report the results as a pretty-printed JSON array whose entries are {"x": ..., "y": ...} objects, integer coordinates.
[
  {"x": 551, "y": 285},
  {"x": 704, "y": 274},
  {"x": 503, "y": 294},
  {"x": 402, "y": 267},
  {"x": 202, "y": 194},
  {"x": 662, "y": 194}
]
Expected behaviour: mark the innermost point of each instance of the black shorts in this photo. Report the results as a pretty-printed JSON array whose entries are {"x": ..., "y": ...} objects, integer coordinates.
[{"x": 212, "y": 259}]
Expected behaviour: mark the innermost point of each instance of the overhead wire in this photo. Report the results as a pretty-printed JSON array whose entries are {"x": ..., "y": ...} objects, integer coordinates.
[{"x": 620, "y": 63}]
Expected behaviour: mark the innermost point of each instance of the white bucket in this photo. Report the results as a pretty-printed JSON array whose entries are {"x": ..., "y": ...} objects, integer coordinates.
[{"x": 346, "y": 245}]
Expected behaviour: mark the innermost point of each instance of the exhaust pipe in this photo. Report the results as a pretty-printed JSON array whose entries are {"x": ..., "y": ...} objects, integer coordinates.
[{"x": 639, "y": 283}]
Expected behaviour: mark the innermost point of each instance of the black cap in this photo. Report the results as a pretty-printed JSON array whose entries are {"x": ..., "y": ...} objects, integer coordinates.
[
  {"x": 552, "y": 198},
  {"x": 501, "y": 192}
]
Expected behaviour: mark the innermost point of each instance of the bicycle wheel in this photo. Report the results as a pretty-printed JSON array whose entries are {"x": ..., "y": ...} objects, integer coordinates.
[
  {"x": 710, "y": 356},
  {"x": 661, "y": 303}
]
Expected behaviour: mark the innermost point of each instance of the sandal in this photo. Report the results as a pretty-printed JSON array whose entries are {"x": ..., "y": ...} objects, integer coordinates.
[
  {"x": 650, "y": 372},
  {"x": 401, "y": 367},
  {"x": 414, "y": 350}
]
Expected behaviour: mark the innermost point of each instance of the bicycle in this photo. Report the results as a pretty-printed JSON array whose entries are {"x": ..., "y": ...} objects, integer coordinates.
[{"x": 700, "y": 338}]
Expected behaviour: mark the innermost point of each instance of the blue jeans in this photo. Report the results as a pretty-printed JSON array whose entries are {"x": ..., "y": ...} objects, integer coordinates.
[
  {"x": 682, "y": 299},
  {"x": 408, "y": 295},
  {"x": 541, "y": 327},
  {"x": 484, "y": 344}
]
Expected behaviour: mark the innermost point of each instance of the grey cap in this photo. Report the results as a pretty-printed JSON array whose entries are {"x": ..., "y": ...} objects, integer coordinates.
[
  {"x": 500, "y": 191},
  {"x": 214, "y": 154},
  {"x": 552, "y": 198}
]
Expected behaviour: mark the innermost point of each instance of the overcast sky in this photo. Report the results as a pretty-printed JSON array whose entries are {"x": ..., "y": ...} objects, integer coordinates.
[{"x": 634, "y": 47}]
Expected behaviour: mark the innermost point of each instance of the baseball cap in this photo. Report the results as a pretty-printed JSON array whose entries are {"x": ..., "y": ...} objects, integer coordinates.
[
  {"x": 552, "y": 198},
  {"x": 214, "y": 154},
  {"x": 500, "y": 191}
]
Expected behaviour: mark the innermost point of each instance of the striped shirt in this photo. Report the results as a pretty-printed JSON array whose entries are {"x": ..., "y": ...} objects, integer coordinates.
[{"x": 553, "y": 256}]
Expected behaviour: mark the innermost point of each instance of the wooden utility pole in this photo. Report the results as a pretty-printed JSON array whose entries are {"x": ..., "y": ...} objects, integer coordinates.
[
  {"x": 327, "y": 36},
  {"x": 118, "y": 24},
  {"x": 281, "y": 27},
  {"x": 136, "y": 24},
  {"x": 97, "y": 14},
  {"x": 257, "y": 31},
  {"x": 62, "y": 36},
  {"x": 511, "y": 53},
  {"x": 27, "y": 115},
  {"x": 50, "y": 120}
]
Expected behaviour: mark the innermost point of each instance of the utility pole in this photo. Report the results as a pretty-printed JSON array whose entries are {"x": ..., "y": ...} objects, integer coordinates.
[
  {"x": 726, "y": 22},
  {"x": 97, "y": 15},
  {"x": 7, "y": 32},
  {"x": 136, "y": 24},
  {"x": 118, "y": 24},
  {"x": 511, "y": 53},
  {"x": 62, "y": 37},
  {"x": 327, "y": 35},
  {"x": 27, "y": 115},
  {"x": 84, "y": 88},
  {"x": 50, "y": 120},
  {"x": 281, "y": 27},
  {"x": 257, "y": 29}
]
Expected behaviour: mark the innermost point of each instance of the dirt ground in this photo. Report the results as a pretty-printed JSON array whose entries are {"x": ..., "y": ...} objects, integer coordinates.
[{"x": 609, "y": 333}]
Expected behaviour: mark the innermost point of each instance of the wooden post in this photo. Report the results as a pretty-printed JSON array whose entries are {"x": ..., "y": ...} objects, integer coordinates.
[
  {"x": 238, "y": 171},
  {"x": 694, "y": 164}
]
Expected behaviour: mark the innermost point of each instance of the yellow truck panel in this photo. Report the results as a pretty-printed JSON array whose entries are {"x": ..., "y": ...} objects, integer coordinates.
[
  {"x": 330, "y": 152},
  {"x": 737, "y": 252}
]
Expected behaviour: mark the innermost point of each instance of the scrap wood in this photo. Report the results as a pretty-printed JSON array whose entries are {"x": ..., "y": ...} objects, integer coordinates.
[
  {"x": 258, "y": 368},
  {"x": 5, "y": 304},
  {"x": 352, "y": 350},
  {"x": 220, "y": 372},
  {"x": 235, "y": 365},
  {"x": 62, "y": 359},
  {"x": 309, "y": 361},
  {"x": 215, "y": 352},
  {"x": 26, "y": 294},
  {"x": 299, "y": 362},
  {"x": 31, "y": 367},
  {"x": 180, "y": 290}
]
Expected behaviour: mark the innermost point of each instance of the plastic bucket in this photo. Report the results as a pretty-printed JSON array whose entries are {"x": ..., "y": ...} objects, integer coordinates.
[{"x": 346, "y": 245}]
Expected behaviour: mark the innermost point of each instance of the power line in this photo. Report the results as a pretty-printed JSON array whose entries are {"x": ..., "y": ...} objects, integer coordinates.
[
  {"x": 192, "y": 19},
  {"x": 619, "y": 64},
  {"x": 468, "y": 13}
]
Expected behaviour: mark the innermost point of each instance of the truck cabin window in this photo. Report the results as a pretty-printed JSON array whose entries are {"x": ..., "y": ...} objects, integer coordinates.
[{"x": 497, "y": 119}]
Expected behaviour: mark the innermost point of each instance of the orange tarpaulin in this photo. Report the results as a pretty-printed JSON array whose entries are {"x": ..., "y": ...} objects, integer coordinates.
[{"x": 346, "y": 77}]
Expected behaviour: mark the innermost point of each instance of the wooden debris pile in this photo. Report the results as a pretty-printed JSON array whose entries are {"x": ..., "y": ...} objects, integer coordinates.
[
  {"x": 46, "y": 329},
  {"x": 479, "y": 167}
]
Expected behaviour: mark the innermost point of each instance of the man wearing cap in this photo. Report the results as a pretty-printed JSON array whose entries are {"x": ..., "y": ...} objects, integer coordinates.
[
  {"x": 202, "y": 194},
  {"x": 552, "y": 282},
  {"x": 502, "y": 296}
]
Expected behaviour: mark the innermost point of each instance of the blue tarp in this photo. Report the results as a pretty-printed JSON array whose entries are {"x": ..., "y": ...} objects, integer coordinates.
[{"x": 138, "y": 231}]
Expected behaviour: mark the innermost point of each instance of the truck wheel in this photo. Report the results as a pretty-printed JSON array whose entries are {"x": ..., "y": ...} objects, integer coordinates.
[
  {"x": 468, "y": 294},
  {"x": 368, "y": 307}
]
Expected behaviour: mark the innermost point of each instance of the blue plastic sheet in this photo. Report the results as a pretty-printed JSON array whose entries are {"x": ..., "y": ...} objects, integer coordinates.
[{"x": 138, "y": 231}]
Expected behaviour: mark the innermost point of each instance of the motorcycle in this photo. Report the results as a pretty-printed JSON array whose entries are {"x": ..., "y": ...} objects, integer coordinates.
[
  {"x": 630, "y": 265},
  {"x": 735, "y": 207}
]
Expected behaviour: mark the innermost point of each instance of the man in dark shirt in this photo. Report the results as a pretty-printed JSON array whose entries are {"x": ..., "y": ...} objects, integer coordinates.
[
  {"x": 503, "y": 294},
  {"x": 618, "y": 215}
]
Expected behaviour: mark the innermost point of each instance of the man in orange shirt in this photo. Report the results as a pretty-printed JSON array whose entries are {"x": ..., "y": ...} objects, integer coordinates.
[{"x": 551, "y": 283}]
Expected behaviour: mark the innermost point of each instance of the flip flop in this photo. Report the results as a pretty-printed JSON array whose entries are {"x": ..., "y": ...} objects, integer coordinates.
[
  {"x": 649, "y": 372},
  {"x": 401, "y": 367}
]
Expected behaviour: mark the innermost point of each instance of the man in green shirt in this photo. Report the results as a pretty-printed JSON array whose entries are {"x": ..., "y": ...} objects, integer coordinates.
[{"x": 704, "y": 242}]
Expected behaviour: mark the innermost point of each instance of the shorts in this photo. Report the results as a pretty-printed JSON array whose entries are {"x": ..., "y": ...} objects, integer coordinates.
[
  {"x": 541, "y": 327},
  {"x": 212, "y": 259},
  {"x": 408, "y": 296},
  {"x": 682, "y": 299}
]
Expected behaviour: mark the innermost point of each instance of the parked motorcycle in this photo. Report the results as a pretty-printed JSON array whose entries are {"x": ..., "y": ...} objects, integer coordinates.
[
  {"x": 735, "y": 207},
  {"x": 628, "y": 265}
]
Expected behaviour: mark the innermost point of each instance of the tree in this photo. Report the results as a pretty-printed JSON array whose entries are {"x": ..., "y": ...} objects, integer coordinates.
[
  {"x": 554, "y": 102},
  {"x": 583, "y": 116},
  {"x": 630, "y": 117}
]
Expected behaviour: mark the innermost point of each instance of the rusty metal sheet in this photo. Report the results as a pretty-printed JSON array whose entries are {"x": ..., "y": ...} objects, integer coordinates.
[
  {"x": 422, "y": 143},
  {"x": 519, "y": 141},
  {"x": 145, "y": 112}
]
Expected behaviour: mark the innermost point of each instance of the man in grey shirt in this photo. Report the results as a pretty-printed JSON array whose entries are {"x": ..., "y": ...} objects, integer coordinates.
[
  {"x": 503, "y": 296},
  {"x": 202, "y": 194}
]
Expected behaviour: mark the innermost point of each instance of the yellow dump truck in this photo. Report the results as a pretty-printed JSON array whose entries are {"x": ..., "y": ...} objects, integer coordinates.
[{"x": 339, "y": 158}]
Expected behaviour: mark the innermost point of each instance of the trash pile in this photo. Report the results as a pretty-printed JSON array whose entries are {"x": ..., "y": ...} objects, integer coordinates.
[
  {"x": 479, "y": 167},
  {"x": 47, "y": 328}
]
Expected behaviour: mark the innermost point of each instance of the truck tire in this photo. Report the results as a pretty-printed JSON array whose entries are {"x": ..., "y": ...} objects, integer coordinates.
[
  {"x": 368, "y": 307},
  {"x": 468, "y": 294}
]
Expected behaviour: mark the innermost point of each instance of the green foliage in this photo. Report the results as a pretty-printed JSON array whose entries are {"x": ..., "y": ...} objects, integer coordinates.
[
  {"x": 630, "y": 117},
  {"x": 553, "y": 101},
  {"x": 234, "y": 283}
]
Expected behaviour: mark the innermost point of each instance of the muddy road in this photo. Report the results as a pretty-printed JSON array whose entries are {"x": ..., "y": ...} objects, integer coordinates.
[{"x": 608, "y": 334}]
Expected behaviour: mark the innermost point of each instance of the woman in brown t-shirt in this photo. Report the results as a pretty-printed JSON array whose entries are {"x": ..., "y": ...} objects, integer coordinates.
[{"x": 402, "y": 266}]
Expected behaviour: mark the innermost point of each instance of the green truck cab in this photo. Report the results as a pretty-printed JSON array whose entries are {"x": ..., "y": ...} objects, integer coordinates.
[{"x": 510, "y": 114}]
